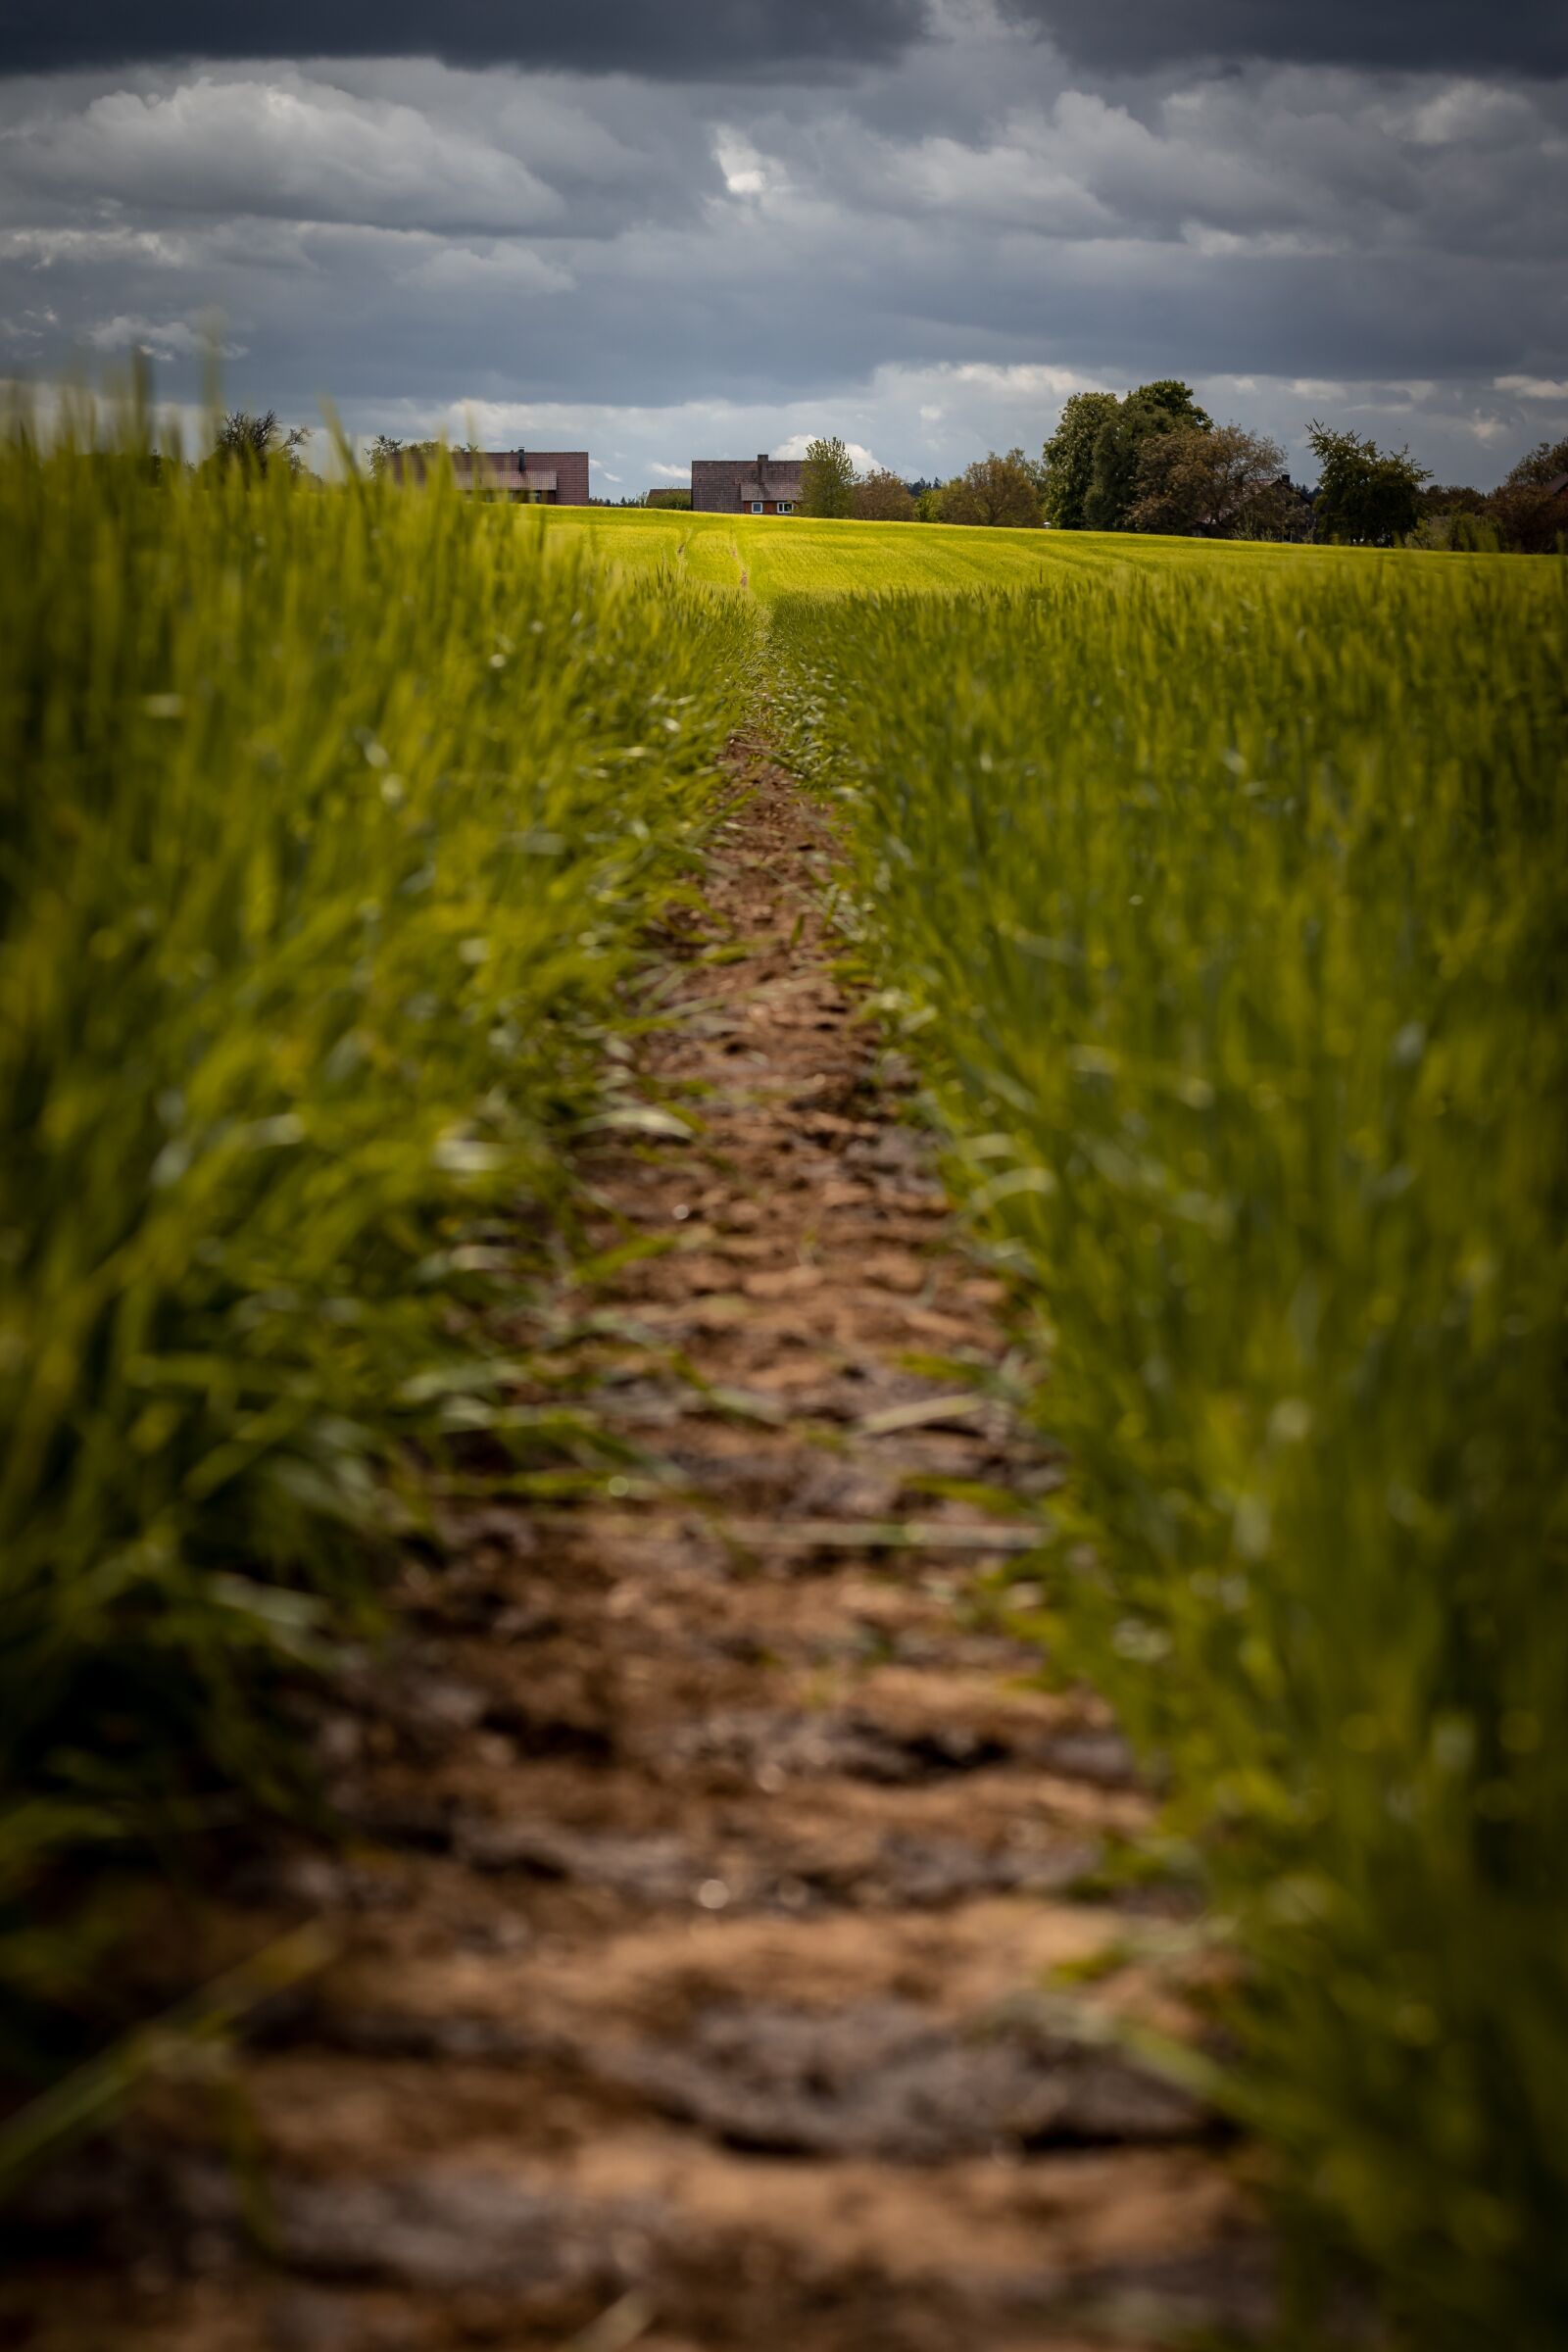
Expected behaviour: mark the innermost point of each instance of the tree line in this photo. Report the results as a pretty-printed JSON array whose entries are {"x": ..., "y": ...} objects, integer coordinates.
[
  {"x": 1155, "y": 460},
  {"x": 1150, "y": 461}
]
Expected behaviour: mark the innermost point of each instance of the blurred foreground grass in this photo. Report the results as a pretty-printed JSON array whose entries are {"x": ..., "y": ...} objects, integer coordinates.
[
  {"x": 329, "y": 819},
  {"x": 1228, "y": 917}
]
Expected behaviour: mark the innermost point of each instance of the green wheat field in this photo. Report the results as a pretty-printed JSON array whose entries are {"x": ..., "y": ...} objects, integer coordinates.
[
  {"x": 1217, "y": 892},
  {"x": 827, "y": 558}
]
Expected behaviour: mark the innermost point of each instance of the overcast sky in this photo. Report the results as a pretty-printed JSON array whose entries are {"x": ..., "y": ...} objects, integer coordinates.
[{"x": 705, "y": 227}]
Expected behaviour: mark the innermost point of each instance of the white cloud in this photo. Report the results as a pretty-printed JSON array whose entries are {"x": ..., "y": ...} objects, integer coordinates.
[
  {"x": 288, "y": 146},
  {"x": 798, "y": 444},
  {"x": 1532, "y": 387},
  {"x": 746, "y": 171},
  {"x": 1022, "y": 379},
  {"x": 1469, "y": 113},
  {"x": 172, "y": 338},
  {"x": 41, "y": 248}
]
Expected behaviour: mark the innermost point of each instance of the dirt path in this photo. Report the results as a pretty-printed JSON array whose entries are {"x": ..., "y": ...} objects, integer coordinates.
[{"x": 709, "y": 1857}]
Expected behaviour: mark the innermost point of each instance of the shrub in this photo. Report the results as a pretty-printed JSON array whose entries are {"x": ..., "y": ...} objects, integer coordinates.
[{"x": 882, "y": 497}]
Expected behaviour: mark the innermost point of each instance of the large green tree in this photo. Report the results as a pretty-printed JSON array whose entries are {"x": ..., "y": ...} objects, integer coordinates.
[
  {"x": 1165, "y": 406},
  {"x": 1068, "y": 457},
  {"x": 827, "y": 479},
  {"x": 254, "y": 441},
  {"x": 999, "y": 491},
  {"x": 1530, "y": 513},
  {"x": 1546, "y": 462},
  {"x": 1366, "y": 495},
  {"x": 1220, "y": 480}
]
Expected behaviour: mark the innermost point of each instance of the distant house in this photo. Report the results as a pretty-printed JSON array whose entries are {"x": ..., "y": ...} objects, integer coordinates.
[
  {"x": 760, "y": 485},
  {"x": 532, "y": 477}
]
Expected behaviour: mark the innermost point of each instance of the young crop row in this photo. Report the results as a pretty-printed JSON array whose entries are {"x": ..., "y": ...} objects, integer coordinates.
[
  {"x": 1227, "y": 916},
  {"x": 331, "y": 820}
]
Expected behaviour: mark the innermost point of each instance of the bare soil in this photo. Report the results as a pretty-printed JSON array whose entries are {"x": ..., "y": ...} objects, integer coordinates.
[{"x": 708, "y": 1856}]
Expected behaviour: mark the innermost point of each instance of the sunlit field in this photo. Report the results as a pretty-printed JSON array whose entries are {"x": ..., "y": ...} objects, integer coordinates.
[{"x": 773, "y": 555}]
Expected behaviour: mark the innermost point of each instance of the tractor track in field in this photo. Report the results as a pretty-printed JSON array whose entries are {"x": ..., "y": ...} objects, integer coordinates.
[{"x": 705, "y": 1856}]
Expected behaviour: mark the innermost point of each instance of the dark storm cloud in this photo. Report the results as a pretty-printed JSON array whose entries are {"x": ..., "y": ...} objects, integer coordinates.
[
  {"x": 691, "y": 40},
  {"x": 918, "y": 222},
  {"x": 1510, "y": 36}
]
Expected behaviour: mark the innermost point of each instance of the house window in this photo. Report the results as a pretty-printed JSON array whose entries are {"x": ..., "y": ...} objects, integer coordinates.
[
  {"x": 786, "y": 506},
  {"x": 756, "y": 506}
]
